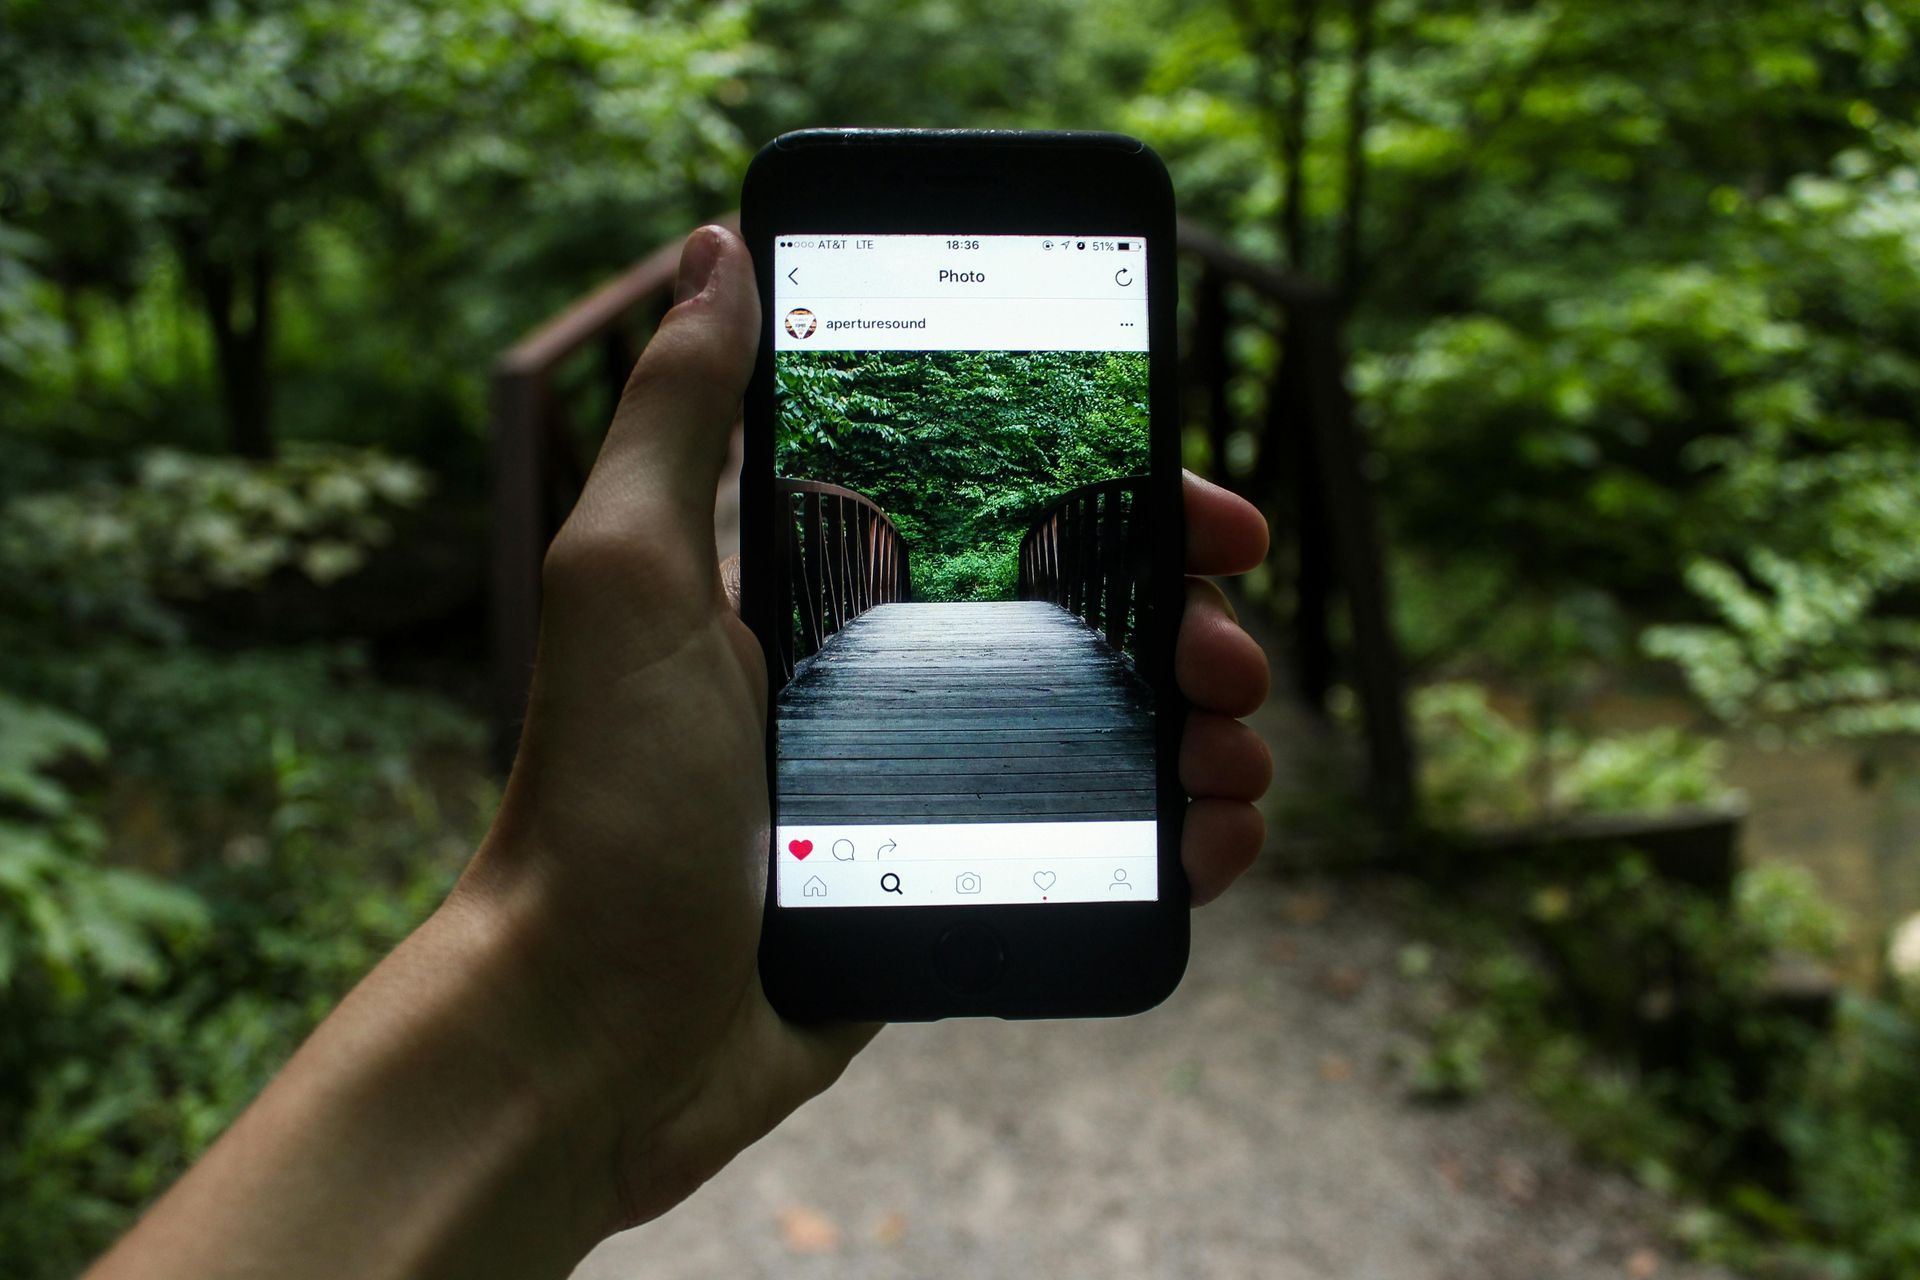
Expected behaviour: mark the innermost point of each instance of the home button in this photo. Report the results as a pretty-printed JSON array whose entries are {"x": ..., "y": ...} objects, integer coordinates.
[{"x": 969, "y": 958}]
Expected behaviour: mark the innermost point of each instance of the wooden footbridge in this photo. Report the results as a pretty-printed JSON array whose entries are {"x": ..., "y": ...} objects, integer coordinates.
[{"x": 985, "y": 711}]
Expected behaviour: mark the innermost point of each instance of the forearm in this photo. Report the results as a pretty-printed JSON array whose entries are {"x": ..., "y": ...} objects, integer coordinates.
[{"x": 412, "y": 1135}]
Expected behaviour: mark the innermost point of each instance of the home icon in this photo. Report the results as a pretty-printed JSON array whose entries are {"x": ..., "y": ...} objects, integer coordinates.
[{"x": 815, "y": 887}]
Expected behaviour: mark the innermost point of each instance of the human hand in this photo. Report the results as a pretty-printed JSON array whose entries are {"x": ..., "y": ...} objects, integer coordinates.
[
  {"x": 578, "y": 1038},
  {"x": 629, "y": 855}
]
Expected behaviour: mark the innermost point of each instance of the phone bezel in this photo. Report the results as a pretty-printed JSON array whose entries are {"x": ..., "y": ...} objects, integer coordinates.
[{"x": 1062, "y": 959}]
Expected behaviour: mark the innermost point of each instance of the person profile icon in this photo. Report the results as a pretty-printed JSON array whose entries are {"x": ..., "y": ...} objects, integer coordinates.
[{"x": 1119, "y": 880}]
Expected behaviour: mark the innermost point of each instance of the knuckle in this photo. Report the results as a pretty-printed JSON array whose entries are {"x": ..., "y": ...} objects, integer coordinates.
[
  {"x": 1262, "y": 757},
  {"x": 678, "y": 372},
  {"x": 587, "y": 559}
]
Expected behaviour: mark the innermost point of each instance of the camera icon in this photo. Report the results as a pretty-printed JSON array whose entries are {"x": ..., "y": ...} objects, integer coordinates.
[{"x": 966, "y": 882}]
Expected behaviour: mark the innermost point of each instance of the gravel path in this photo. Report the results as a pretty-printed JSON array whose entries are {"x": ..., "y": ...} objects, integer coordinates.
[{"x": 1253, "y": 1126}]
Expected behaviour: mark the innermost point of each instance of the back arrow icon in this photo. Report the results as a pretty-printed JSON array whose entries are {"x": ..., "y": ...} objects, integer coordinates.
[{"x": 790, "y": 279}]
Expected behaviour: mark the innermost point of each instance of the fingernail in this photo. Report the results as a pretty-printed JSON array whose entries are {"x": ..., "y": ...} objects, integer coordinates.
[{"x": 697, "y": 259}]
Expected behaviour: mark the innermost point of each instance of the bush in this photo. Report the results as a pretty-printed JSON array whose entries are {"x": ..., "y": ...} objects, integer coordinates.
[
  {"x": 1642, "y": 1014},
  {"x": 986, "y": 573},
  {"x": 1480, "y": 767},
  {"x": 139, "y": 1015},
  {"x": 288, "y": 799},
  {"x": 106, "y": 552}
]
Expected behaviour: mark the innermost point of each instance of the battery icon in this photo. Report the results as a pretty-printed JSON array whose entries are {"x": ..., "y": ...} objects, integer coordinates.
[{"x": 1126, "y": 244}]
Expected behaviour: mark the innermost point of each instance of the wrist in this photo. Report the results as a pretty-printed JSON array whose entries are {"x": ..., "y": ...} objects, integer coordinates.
[
  {"x": 435, "y": 1124},
  {"x": 659, "y": 1069},
  {"x": 493, "y": 1112},
  {"x": 594, "y": 1036},
  {"x": 524, "y": 1041}
]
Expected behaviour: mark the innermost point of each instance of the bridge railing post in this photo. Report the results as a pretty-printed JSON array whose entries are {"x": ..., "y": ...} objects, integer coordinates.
[
  {"x": 845, "y": 552},
  {"x": 1078, "y": 574},
  {"x": 572, "y": 366},
  {"x": 1309, "y": 468},
  {"x": 1210, "y": 366},
  {"x": 1138, "y": 570},
  {"x": 1114, "y": 574},
  {"x": 1092, "y": 601},
  {"x": 863, "y": 550},
  {"x": 1086, "y": 552},
  {"x": 846, "y": 558},
  {"x": 783, "y": 568},
  {"x": 522, "y": 467}
]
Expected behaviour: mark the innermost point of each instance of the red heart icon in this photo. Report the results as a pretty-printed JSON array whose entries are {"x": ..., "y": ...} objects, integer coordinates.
[{"x": 800, "y": 848}]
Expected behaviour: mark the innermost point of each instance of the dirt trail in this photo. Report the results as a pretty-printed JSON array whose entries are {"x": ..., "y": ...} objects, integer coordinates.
[{"x": 1253, "y": 1126}]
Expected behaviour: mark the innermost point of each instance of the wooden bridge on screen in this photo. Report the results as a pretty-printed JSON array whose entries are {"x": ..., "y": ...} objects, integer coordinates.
[{"x": 1028, "y": 709}]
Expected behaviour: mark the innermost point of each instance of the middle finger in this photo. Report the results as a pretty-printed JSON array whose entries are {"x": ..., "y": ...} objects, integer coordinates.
[{"x": 1218, "y": 665}]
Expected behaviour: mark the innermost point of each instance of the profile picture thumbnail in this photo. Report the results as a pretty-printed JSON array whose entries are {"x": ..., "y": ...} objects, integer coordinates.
[{"x": 801, "y": 323}]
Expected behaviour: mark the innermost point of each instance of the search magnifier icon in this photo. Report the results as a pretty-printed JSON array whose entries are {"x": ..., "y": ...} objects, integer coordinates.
[{"x": 890, "y": 883}]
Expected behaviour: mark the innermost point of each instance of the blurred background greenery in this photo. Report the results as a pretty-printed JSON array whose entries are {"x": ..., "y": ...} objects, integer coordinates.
[{"x": 1632, "y": 291}]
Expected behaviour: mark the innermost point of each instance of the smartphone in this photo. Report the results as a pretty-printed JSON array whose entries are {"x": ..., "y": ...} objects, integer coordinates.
[{"x": 962, "y": 552}]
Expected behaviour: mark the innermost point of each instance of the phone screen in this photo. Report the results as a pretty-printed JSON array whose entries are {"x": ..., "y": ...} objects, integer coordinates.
[{"x": 962, "y": 542}]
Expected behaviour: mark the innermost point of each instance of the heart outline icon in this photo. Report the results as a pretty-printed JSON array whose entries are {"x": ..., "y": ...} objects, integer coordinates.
[
  {"x": 1044, "y": 879},
  {"x": 800, "y": 848}
]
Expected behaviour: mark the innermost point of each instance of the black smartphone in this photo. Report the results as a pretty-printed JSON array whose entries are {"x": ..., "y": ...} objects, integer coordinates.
[{"x": 962, "y": 551}]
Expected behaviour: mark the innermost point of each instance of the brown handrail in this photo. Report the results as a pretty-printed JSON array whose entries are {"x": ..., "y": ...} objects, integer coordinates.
[
  {"x": 1087, "y": 552},
  {"x": 837, "y": 555},
  {"x": 1216, "y": 254}
]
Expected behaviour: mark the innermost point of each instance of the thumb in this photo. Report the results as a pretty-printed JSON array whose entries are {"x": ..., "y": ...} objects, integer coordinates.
[{"x": 663, "y": 455}]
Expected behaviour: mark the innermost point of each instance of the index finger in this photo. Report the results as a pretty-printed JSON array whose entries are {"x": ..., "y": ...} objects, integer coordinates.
[{"x": 1225, "y": 533}]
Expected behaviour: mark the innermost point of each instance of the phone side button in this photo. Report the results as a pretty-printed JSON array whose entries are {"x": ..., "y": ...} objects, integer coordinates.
[{"x": 969, "y": 958}]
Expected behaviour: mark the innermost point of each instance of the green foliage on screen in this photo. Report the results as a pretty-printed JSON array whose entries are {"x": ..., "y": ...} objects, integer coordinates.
[{"x": 962, "y": 449}]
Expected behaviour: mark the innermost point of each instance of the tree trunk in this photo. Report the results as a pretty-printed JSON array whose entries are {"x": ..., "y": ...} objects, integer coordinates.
[
  {"x": 75, "y": 329},
  {"x": 1359, "y": 116},
  {"x": 1293, "y": 135},
  {"x": 241, "y": 340}
]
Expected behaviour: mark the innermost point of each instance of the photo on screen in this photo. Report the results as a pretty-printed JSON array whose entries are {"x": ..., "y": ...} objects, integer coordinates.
[{"x": 964, "y": 557}]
